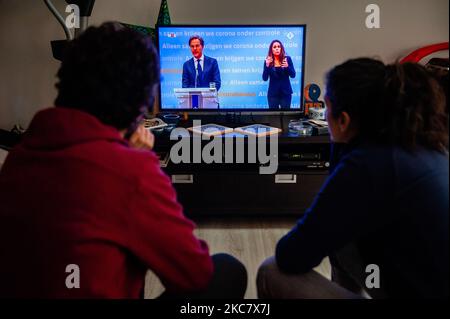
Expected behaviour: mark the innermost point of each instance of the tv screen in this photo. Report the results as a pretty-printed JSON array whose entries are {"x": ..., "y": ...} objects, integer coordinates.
[{"x": 226, "y": 68}]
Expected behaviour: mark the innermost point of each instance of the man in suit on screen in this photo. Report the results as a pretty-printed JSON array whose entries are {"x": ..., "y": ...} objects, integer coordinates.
[{"x": 200, "y": 71}]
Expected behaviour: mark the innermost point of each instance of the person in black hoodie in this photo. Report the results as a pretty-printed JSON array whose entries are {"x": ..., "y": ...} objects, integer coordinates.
[{"x": 382, "y": 215}]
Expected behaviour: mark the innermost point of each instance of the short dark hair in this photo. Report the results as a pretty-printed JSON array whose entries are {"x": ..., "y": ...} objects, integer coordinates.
[
  {"x": 197, "y": 37},
  {"x": 399, "y": 104},
  {"x": 110, "y": 72}
]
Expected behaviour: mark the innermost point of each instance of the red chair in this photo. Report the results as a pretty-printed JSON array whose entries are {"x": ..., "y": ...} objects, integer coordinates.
[{"x": 419, "y": 54}]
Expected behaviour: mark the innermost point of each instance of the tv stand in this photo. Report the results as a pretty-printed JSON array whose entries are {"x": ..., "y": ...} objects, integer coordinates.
[
  {"x": 238, "y": 189},
  {"x": 234, "y": 119}
]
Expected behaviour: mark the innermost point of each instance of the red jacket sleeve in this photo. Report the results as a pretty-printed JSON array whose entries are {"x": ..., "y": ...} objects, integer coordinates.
[{"x": 162, "y": 237}]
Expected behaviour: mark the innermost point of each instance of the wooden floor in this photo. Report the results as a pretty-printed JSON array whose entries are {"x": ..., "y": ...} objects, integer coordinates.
[{"x": 249, "y": 240}]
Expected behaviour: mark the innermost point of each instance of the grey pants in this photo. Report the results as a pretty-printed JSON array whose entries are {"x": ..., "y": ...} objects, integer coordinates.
[{"x": 274, "y": 284}]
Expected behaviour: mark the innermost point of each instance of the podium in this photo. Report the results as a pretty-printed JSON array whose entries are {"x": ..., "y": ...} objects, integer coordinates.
[{"x": 197, "y": 98}]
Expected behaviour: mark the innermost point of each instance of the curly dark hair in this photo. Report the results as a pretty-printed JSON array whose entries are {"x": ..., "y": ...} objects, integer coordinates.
[
  {"x": 110, "y": 72},
  {"x": 397, "y": 104}
]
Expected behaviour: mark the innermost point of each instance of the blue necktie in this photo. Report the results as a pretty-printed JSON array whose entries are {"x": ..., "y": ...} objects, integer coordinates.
[{"x": 199, "y": 72}]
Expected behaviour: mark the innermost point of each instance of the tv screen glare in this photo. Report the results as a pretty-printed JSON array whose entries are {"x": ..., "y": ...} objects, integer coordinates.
[{"x": 240, "y": 52}]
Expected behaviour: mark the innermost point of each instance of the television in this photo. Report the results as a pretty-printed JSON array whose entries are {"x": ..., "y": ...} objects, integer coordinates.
[{"x": 240, "y": 52}]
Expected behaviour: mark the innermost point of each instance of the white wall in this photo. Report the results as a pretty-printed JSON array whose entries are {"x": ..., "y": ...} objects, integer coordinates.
[{"x": 336, "y": 31}]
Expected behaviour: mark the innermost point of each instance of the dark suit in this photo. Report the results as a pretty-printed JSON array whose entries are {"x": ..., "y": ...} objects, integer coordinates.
[
  {"x": 280, "y": 90},
  {"x": 210, "y": 73}
]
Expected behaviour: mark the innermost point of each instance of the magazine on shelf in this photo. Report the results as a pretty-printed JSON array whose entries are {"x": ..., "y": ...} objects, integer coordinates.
[
  {"x": 211, "y": 129},
  {"x": 258, "y": 130}
]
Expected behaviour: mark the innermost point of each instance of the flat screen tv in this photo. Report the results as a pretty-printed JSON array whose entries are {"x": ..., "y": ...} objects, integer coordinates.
[{"x": 230, "y": 76}]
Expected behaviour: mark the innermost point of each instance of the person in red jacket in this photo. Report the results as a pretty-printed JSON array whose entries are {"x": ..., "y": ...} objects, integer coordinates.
[{"x": 85, "y": 212}]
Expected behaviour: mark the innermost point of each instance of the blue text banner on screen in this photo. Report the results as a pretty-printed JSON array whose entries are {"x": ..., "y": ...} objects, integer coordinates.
[{"x": 240, "y": 52}]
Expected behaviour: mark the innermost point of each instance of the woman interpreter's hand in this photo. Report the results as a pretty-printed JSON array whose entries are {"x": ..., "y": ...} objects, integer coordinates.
[
  {"x": 285, "y": 63},
  {"x": 142, "y": 138},
  {"x": 269, "y": 61}
]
